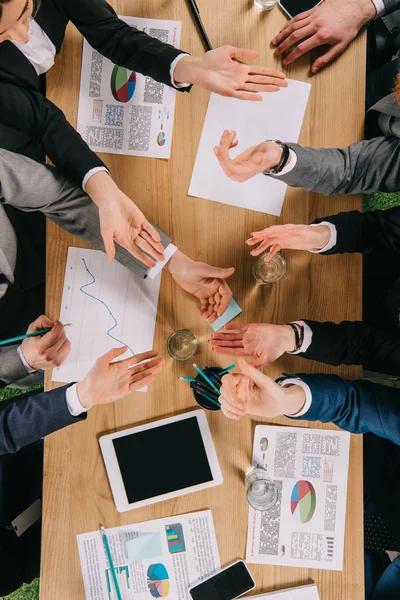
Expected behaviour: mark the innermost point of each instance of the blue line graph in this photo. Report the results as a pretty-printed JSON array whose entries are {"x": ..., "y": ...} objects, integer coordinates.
[{"x": 104, "y": 304}]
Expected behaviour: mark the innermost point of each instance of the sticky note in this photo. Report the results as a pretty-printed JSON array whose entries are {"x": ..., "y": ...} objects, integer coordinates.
[
  {"x": 231, "y": 312},
  {"x": 145, "y": 545}
]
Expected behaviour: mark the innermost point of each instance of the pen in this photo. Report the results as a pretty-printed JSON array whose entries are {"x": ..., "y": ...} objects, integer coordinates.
[
  {"x": 196, "y": 15},
  {"x": 19, "y": 338},
  {"x": 110, "y": 560},
  {"x": 186, "y": 379},
  {"x": 203, "y": 388},
  {"x": 227, "y": 370},
  {"x": 210, "y": 399},
  {"x": 204, "y": 376}
]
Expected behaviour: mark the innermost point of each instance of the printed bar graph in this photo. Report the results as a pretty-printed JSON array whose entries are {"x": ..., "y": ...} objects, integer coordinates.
[
  {"x": 175, "y": 538},
  {"x": 123, "y": 581}
]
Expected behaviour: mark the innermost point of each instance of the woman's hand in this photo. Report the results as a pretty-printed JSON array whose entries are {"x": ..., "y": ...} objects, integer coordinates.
[
  {"x": 266, "y": 342},
  {"x": 108, "y": 381},
  {"x": 225, "y": 72},
  {"x": 121, "y": 221},
  {"x": 249, "y": 163},
  {"x": 205, "y": 282},
  {"x": 252, "y": 393},
  {"x": 49, "y": 350},
  {"x": 296, "y": 237}
]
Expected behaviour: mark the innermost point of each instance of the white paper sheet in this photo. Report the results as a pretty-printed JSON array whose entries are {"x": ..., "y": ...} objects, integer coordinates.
[
  {"x": 304, "y": 592},
  {"x": 279, "y": 116},
  {"x": 306, "y": 527},
  {"x": 123, "y": 112},
  {"x": 189, "y": 554},
  {"x": 97, "y": 296}
]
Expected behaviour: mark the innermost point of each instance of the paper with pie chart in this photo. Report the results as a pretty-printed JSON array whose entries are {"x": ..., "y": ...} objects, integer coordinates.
[
  {"x": 154, "y": 559},
  {"x": 306, "y": 527},
  {"x": 124, "y": 112}
]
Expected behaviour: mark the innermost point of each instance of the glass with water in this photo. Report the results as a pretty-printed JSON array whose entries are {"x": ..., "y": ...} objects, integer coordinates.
[
  {"x": 265, "y": 4},
  {"x": 261, "y": 491}
]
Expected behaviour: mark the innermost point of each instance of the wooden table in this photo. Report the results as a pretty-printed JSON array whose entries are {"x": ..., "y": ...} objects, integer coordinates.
[{"x": 77, "y": 495}]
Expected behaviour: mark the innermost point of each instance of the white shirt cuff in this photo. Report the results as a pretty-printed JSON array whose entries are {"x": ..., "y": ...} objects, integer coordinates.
[
  {"x": 307, "y": 337},
  {"x": 168, "y": 253},
  {"x": 380, "y": 7},
  {"x": 290, "y": 165},
  {"x": 172, "y": 71},
  {"x": 307, "y": 390},
  {"x": 92, "y": 172},
  {"x": 73, "y": 402},
  {"x": 26, "y": 365},
  {"x": 332, "y": 241}
]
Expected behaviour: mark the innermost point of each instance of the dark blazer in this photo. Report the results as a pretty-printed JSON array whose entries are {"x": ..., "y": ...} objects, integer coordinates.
[
  {"x": 22, "y": 425},
  {"x": 34, "y": 126},
  {"x": 375, "y": 342}
]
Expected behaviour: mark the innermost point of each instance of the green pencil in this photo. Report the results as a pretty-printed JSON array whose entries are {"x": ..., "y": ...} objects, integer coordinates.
[
  {"x": 110, "y": 560},
  {"x": 204, "y": 376},
  {"x": 19, "y": 338}
]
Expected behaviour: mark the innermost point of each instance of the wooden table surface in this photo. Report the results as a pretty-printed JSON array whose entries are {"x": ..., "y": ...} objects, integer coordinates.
[{"x": 77, "y": 495}]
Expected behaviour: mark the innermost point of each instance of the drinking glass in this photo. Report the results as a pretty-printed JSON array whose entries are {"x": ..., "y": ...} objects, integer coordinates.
[
  {"x": 265, "y": 4},
  {"x": 261, "y": 491},
  {"x": 182, "y": 345},
  {"x": 269, "y": 272}
]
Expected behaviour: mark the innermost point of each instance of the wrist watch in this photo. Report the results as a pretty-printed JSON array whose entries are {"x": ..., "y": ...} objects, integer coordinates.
[{"x": 283, "y": 162}]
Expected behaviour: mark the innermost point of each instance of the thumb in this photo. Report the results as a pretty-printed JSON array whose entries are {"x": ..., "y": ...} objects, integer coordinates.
[
  {"x": 114, "y": 353},
  {"x": 41, "y": 322},
  {"x": 326, "y": 58},
  {"x": 243, "y": 55},
  {"x": 254, "y": 374},
  {"x": 217, "y": 272},
  {"x": 109, "y": 246}
]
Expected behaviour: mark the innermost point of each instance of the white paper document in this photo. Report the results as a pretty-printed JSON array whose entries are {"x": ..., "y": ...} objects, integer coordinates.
[
  {"x": 155, "y": 559},
  {"x": 108, "y": 307},
  {"x": 279, "y": 116},
  {"x": 121, "y": 111},
  {"x": 306, "y": 527},
  {"x": 303, "y": 592}
]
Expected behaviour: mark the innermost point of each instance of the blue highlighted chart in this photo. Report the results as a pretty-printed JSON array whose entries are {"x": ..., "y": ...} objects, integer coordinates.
[
  {"x": 158, "y": 580},
  {"x": 123, "y": 83},
  {"x": 175, "y": 538},
  {"x": 263, "y": 444},
  {"x": 303, "y": 501}
]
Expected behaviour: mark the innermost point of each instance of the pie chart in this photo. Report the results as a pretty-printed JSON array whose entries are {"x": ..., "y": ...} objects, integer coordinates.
[
  {"x": 263, "y": 444},
  {"x": 158, "y": 580},
  {"x": 123, "y": 83},
  {"x": 303, "y": 501}
]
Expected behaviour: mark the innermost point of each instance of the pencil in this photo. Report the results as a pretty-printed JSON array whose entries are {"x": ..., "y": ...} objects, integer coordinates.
[
  {"x": 204, "y": 376},
  {"x": 194, "y": 9},
  {"x": 199, "y": 386},
  {"x": 186, "y": 379},
  {"x": 19, "y": 338},
  {"x": 110, "y": 560},
  {"x": 227, "y": 370},
  {"x": 209, "y": 399}
]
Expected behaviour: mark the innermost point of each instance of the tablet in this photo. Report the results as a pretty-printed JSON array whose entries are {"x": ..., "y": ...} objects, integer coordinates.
[{"x": 161, "y": 460}]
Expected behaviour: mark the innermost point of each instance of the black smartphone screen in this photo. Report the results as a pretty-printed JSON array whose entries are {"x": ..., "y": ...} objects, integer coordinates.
[
  {"x": 226, "y": 585},
  {"x": 295, "y": 7}
]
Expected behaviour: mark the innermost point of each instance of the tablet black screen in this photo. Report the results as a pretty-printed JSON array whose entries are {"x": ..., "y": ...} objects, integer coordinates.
[{"x": 162, "y": 460}]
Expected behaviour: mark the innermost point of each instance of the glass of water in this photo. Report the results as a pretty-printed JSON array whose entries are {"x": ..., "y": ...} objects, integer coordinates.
[
  {"x": 182, "y": 345},
  {"x": 261, "y": 491},
  {"x": 265, "y": 4},
  {"x": 269, "y": 272}
]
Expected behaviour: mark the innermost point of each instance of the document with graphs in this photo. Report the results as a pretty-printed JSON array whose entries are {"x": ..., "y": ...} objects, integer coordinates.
[
  {"x": 155, "y": 559},
  {"x": 121, "y": 111},
  {"x": 306, "y": 526}
]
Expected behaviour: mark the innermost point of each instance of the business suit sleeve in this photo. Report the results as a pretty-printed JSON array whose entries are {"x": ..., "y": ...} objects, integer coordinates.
[
  {"x": 25, "y": 421},
  {"x": 30, "y": 112},
  {"x": 390, "y": 6},
  {"x": 122, "y": 44},
  {"x": 364, "y": 167},
  {"x": 11, "y": 367},
  {"x": 355, "y": 406},
  {"x": 354, "y": 343}
]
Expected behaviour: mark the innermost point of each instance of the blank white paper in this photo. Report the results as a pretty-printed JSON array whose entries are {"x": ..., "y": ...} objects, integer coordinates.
[
  {"x": 108, "y": 307},
  {"x": 279, "y": 116}
]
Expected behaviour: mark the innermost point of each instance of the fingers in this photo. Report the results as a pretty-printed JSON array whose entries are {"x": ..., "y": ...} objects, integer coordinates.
[
  {"x": 150, "y": 368},
  {"x": 231, "y": 405},
  {"x": 274, "y": 250},
  {"x": 248, "y": 96},
  {"x": 306, "y": 46},
  {"x": 137, "y": 385},
  {"x": 243, "y": 54},
  {"x": 257, "y": 87},
  {"x": 296, "y": 33},
  {"x": 227, "y": 337},
  {"x": 326, "y": 58},
  {"x": 278, "y": 77},
  {"x": 254, "y": 374},
  {"x": 148, "y": 248},
  {"x": 138, "y": 358},
  {"x": 52, "y": 338},
  {"x": 40, "y": 323},
  {"x": 157, "y": 245},
  {"x": 232, "y": 344},
  {"x": 289, "y": 27},
  {"x": 113, "y": 353},
  {"x": 137, "y": 253},
  {"x": 151, "y": 231},
  {"x": 225, "y": 298},
  {"x": 229, "y": 351},
  {"x": 216, "y": 272},
  {"x": 109, "y": 245},
  {"x": 237, "y": 326}
]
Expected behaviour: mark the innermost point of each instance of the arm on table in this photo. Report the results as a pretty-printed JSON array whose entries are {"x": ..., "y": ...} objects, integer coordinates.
[{"x": 11, "y": 366}]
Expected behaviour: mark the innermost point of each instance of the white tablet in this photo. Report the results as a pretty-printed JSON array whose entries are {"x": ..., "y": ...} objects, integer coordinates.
[{"x": 160, "y": 460}]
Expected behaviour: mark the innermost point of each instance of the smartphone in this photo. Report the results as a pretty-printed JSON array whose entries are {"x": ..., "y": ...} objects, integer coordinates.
[
  {"x": 230, "y": 583},
  {"x": 295, "y": 7}
]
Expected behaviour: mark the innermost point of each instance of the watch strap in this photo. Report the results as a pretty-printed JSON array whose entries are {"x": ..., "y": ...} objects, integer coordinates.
[{"x": 283, "y": 162}]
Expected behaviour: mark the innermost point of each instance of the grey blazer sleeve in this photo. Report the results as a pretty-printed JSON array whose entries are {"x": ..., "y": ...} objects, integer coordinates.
[
  {"x": 30, "y": 186},
  {"x": 391, "y": 5},
  {"x": 364, "y": 167},
  {"x": 11, "y": 367}
]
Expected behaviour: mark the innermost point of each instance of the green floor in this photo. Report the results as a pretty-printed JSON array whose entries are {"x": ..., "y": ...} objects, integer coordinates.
[{"x": 374, "y": 202}]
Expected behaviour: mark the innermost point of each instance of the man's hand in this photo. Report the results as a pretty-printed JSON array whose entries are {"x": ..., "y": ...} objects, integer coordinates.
[
  {"x": 225, "y": 72},
  {"x": 249, "y": 163},
  {"x": 203, "y": 281},
  {"x": 266, "y": 342},
  {"x": 252, "y": 393},
  {"x": 108, "y": 381},
  {"x": 121, "y": 221},
  {"x": 296, "y": 237},
  {"x": 49, "y": 350},
  {"x": 334, "y": 24}
]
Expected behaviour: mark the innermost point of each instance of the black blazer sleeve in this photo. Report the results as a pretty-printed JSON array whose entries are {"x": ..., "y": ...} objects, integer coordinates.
[
  {"x": 355, "y": 343},
  {"x": 25, "y": 421},
  {"x": 31, "y": 113},
  {"x": 365, "y": 232},
  {"x": 124, "y": 45}
]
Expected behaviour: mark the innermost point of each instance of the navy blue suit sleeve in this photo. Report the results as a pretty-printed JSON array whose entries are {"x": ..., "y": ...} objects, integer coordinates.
[
  {"x": 25, "y": 421},
  {"x": 355, "y": 406}
]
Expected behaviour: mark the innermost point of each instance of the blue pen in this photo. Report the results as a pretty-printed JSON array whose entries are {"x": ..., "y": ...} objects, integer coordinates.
[
  {"x": 110, "y": 560},
  {"x": 227, "y": 370},
  {"x": 204, "y": 376},
  {"x": 19, "y": 338}
]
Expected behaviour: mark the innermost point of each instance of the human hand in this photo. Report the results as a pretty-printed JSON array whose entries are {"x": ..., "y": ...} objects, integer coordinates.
[
  {"x": 205, "y": 282},
  {"x": 296, "y": 237},
  {"x": 334, "y": 24},
  {"x": 266, "y": 342},
  {"x": 109, "y": 381},
  {"x": 252, "y": 161},
  {"x": 123, "y": 222},
  {"x": 253, "y": 393},
  {"x": 48, "y": 350},
  {"x": 225, "y": 72}
]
